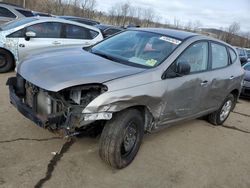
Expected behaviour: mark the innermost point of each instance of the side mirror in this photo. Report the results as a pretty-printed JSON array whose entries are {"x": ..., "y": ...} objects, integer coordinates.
[
  {"x": 29, "y": 35},
  {"x": 183, "y": 68},
  {"x": 174, "y": 70}
]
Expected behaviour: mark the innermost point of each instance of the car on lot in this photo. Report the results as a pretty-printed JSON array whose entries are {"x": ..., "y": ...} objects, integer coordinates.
[
  {"x": 9, "y": 12},
  {"x": 137, "y": 81},
  {"x": 108, "y": 30},
  {"x": 242, "y": 54},
  {"x": 20, "y": 37},
  {"x": 245, "y": 92},
  {"x": 80, "y": 20},
  {"x": 248, "y": 54}
]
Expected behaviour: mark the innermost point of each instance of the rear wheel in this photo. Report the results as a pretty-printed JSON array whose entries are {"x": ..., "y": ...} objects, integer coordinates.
[
  {"x": 121, "y": 138},
  {"x": 6, "y": 61},
  {"x": 219, "y": 117}
]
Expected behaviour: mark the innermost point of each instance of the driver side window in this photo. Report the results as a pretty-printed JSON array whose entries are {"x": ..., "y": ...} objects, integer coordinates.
[{"x": 196, "y": 56}]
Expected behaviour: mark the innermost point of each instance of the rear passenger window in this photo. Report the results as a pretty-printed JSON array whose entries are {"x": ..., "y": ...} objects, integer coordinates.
[
  {"x": 219, "y": 56},
  {"x": 46, "y": 30},
  {"x": 233, "y": 55},
  {"x": 77, "y": 32},
  {"x": 196, "y": 56},
  {"x": 6, "y": 13}
]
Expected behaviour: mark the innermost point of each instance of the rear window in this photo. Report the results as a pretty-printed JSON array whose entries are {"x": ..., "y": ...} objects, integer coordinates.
[
  {"x": 6, "y": 13},
  {"x": 26, "y": 13}
]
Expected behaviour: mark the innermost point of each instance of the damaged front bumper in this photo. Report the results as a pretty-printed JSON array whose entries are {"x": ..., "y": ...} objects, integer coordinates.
[
  {"x": 29, "y": 113},
  {"x": 66, "y": 116}
]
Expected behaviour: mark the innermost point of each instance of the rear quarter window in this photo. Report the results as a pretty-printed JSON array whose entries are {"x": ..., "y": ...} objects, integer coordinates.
[
  {"x": 77, "y": 32},
  {"x": 219, "y": 56},
  {"x": 232, "y": 55}
]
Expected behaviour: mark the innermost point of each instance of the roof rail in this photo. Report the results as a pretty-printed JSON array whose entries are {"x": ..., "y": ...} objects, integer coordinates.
[{"x": 11, "y": 4}]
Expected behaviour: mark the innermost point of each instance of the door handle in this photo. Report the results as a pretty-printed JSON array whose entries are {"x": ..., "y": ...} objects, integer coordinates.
[
  {"x": 231, "y": 78},
  {"x": 56, "y": 43},
  {"x": 87, "y": 43},
  {"x": 204, "y": 83}
]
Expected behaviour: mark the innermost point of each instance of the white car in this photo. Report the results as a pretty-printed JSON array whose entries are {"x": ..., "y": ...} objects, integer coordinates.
[{"x": 19, "y": 38}]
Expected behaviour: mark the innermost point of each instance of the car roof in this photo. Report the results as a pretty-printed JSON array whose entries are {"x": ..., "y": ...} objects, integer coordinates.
[
  {"x": 65, "y": 21},
  {"x": 178, "y": 34},
  {"x": 75, "y": 17},
  {"x": 105, "y": 26},
  {"x": 38, "y": 19}
]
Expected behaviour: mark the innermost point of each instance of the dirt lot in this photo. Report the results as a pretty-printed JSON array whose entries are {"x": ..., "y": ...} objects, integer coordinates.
[{"x": 193, "y": 154}]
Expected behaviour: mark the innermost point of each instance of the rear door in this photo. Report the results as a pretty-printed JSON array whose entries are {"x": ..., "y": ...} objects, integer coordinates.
[
  {"x": 184, "y": 95},
  {"x": 223, "y": 74},
  {"x": 48, "y": 34}
]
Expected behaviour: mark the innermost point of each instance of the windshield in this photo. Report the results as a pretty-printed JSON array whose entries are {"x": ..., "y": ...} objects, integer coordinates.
[
  {"x": 137, "y": 48},
  {"x": 16, "y": 23}
]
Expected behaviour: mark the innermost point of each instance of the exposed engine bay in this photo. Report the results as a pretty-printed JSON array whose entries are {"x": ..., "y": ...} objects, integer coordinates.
[{"x": 58, "y": 110}]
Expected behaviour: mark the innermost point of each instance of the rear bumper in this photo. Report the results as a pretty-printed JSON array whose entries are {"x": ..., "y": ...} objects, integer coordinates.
[{"x": 26, "y": 111}]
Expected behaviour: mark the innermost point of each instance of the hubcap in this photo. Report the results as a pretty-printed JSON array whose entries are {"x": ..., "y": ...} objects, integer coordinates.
[
  {"x": 129, "y": 139},
  {"x": 2, "y": 60},
  {"x": 225, "y": 110}
]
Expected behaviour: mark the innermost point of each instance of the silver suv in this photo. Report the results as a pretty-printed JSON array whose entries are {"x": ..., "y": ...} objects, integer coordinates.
[
  {"x": 137, "y": 81},
  {"x": 9, "y": 12}
]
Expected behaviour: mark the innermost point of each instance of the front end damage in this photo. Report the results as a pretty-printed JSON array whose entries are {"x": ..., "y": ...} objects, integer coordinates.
[{"x": 56, "y": 110}]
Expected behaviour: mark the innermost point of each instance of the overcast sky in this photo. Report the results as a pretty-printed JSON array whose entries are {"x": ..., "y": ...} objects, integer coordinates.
[{"x": 211, "y": 13}]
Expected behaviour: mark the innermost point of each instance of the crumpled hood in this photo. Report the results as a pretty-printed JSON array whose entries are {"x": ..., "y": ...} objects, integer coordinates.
[{"x": 63, "y": 68}]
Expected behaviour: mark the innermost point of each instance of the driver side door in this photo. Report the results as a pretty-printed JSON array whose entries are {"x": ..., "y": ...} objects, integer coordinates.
[{"x": 185, "y": 94}]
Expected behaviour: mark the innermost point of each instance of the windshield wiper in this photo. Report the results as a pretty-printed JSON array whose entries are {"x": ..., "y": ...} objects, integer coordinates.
[{"x": 104, "y": 56}]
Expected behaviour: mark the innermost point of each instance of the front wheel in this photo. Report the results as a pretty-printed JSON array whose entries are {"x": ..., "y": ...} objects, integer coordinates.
[
  {"x": 121, "y": 138},
  {"x": 219, "y": 117},
  {"x": 6, "y": 61}
]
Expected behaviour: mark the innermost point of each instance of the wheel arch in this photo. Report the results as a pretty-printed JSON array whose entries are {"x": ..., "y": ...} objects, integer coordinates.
[
  {"x": 148, "y": 117},
  {"x": 235, "y": 93}
]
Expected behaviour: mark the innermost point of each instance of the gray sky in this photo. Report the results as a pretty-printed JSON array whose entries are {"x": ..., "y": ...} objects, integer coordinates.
[{"x": 211, "y": 13}]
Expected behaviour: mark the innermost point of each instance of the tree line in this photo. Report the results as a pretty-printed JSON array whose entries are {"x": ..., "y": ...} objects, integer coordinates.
[{"x": 124, "y": 14}]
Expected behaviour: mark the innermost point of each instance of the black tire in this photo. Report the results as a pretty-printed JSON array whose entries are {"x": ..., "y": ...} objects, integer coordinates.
[
  {"x": 6, "y": 61},
  {"x": 112, "y": 147},
  {"x": 214, "y": 118}
]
